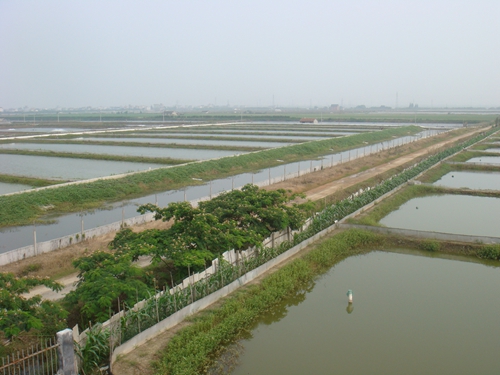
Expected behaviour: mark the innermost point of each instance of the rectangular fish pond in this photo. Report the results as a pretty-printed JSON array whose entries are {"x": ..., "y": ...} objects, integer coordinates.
[
  {"x": 475, "y": 180},
  {"x": 448, "y": 213},
  {"x": 410, "y": 315}
]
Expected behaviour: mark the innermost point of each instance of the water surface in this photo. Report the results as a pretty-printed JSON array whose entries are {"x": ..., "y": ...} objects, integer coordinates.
[
  {"x": 485, "y": 160},
  {"x": 6, "y": 188},
  {"x": 66, "y": 168},
  {"x": 474, "y": 180},
  {"x": 458, "y": 214},
  {"x": 154, "y": 152},
  {"x": 411, "y": 315}
]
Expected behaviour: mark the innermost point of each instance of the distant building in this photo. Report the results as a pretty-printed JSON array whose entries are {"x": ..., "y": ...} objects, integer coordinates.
[
  {"x": 306, "y": 120},
  {"x": 335, "y": 108}
]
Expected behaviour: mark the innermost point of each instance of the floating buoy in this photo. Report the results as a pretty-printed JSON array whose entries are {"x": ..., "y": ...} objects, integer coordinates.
[{"x": 349, "y": 295}]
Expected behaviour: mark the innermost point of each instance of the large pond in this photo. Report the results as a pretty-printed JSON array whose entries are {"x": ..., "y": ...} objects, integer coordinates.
[
  {"x": 410, "y": 315},
  {"x": 66, "y": 168},
  {"x": 485, "y": 160},
  {"x": 154, "y": 152},
  {"x": 242, "y": 136},
  {"x": 471, "y": 180},
  {"x": 192, "y": 141},
  {"x": 6, "y": 188},
  {"x": 457, "y": 214}
]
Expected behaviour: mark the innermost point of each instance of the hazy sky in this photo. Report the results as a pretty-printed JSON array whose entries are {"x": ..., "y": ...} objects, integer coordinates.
[{"x": 350, "y": 52}]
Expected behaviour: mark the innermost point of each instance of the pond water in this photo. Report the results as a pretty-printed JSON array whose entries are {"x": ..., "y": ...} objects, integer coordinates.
[
  {"x": 410, "y": 315},
  {"x": 471, "y": 180},
  {"x": 458, "y": 214},
  {"x": 154, "y": 152},
  {"x": 493, "y": 150},
  {"x": 6, "y": 188},
  {"x": 242, "y": 136},
  {"x": 485, "y": 160},
  {"x": 66, "y": 168},
  {"x": 192, "y": 141}
]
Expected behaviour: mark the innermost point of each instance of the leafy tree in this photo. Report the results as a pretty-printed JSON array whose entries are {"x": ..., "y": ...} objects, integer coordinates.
[
  {"x": 233, "y": 220},
  {"x": 18, "y": 313},
  {"x": 104, "y": 279}
]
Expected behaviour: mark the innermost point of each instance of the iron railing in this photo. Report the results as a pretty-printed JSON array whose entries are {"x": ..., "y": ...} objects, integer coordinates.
[{"x": 40, "y": 359}]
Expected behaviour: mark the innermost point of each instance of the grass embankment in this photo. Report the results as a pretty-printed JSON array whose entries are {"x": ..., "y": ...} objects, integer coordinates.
[
  {"x": 275, "y": 131},
  {"x": 392, "y": 203},
  {"x": 26, "y": 207},
  {"x": 33, "y": 182},
  {"x": 467, "y": 155},
  {"x": 72, "y": 155},
  {"x": 198, "y": 137},
  {"x": 191, "y": 350},
  {"x": 439, "y": 171},
  {"x": 60, "y": 140}
]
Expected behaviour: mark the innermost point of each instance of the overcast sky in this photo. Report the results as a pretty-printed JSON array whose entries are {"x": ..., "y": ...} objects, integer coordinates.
[{"x": 301, "y": 53}]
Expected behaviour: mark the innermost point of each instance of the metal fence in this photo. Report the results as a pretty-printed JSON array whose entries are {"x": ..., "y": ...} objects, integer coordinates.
[{"x": 38, "y": 360}]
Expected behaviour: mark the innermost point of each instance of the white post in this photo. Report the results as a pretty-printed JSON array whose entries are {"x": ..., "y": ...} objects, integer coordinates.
[
  {"x": 66, "y": 352},
  {"x": 34, "y": 239}
]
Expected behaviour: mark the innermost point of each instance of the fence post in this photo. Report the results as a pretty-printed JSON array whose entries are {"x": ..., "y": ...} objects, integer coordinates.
[
  {"x": 66, "y": 352},
  {"x": 34, "y": 240}
]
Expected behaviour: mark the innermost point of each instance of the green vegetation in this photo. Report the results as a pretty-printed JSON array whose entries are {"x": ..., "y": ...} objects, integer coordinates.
[
  {"x": 19, "y": 314},
  {"x": 134, "y": 159},
  {"x": 466, "y": 155},
  {"x": 26, "y": 207},
  {"x": 491, "y": 252},
  {"x": 34, "y": 182},
  {"x": 430, "y": 245},
  {"x": 434, "y": 174}
]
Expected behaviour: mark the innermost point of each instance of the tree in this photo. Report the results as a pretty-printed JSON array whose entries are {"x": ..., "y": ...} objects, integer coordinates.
[
  {"x": 233, "y": 220},
  {"x": 18, "y": 313},
  {"x": 104, "y": 279}
]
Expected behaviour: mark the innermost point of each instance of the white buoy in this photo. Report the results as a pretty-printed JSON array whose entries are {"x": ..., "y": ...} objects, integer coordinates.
[{"x": 349, "y": 295}]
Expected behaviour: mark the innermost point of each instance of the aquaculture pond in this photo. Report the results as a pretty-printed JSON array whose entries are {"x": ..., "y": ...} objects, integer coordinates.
[
  {"x": 485, "y": 160},
  {"x": 66, "y": 168},
  {"x": 474, "y": 180},
  {"x": 6, "y": 188},
  {"x": 147, "y": 151},
  {"x": 181, "y": 141},
  {"x": 411, "y": 314},
  {"x": 458, "y": 214}
]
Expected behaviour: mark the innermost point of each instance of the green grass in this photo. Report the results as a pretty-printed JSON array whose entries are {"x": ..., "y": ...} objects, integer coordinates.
[
  {"x": 26, "y": 207},
  {"x": 467, "y": 155},
  {"x": 439, "y": 171}
]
